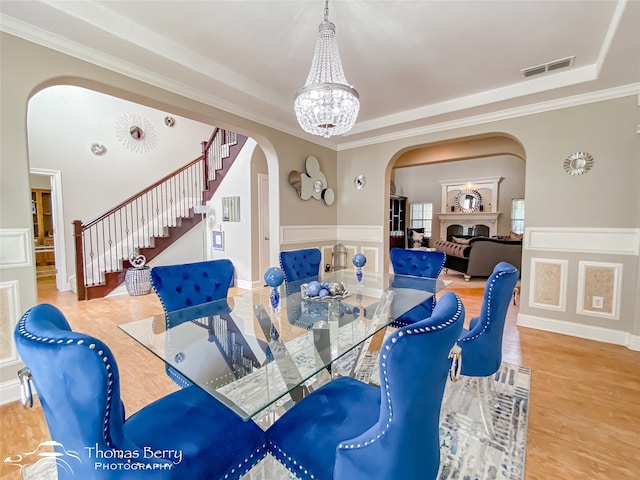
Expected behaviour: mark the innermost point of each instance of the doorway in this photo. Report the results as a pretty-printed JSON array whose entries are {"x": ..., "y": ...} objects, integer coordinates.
[{"x": 49, "y": 248}]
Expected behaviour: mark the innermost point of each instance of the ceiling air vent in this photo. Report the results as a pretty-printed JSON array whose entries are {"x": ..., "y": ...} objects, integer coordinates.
[{"x": 548, "y": 67}]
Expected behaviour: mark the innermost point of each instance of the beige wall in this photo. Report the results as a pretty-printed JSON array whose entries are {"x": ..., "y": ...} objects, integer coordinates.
[
  {"x": 27, "y": 68},
  {"x": 590, "y": 208}
]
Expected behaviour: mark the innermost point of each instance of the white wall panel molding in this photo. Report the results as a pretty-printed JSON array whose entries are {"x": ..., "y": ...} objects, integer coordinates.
[
  {"x": 291, "y": 234},
  {"x": 548, "y": 284},
  {"x": 599, "y": 289},
  {"x": 9, "y": 316},
  {"x": 360, "y": 233},
  {"x": 613, "y": 241},
  {"x": 589, "y": 332},
  {"x": 16, "y": 248},
  {"x": 9, "y": 391}
]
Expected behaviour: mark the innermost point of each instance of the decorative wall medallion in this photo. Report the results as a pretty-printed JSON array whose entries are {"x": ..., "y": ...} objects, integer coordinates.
[
  {"x": 359, "y": 182},
  {"x": 578, "y": 163},
  {"x": 136, "y": 133}
]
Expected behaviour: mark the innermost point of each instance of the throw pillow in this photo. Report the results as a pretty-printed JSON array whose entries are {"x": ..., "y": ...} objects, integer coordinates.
[
  {"x": 417, "y": 239},
  {"x": 515, "y": 236},
  {"x": 461, "y": 241}
]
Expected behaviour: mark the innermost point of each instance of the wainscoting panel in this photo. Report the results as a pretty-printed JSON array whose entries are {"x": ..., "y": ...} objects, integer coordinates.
[
  {"x": 616, "y": 241},
  {"x": 548, "y": 284},
  {"x": 9, "y": 316},
  {"x": 599, "y": 286},
  {"x": 360, "y": 233},
  {"x": 16, "y": 248},
  {"x": 293, "y": 234},
  {"x": 372, "y": 254}
]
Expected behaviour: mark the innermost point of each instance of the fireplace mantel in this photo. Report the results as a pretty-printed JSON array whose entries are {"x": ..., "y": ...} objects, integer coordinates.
[{"x": 490, "y": 219}]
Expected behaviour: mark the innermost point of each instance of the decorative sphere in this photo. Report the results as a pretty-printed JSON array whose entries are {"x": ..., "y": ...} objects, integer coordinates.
[
  {"x": 313, "y": 288},
  {"x": 273, "y": 277},
  {"x": 336, "y": 289},
  {"x": 359, "y": 260},
  {"x": 323, "y": 292}
]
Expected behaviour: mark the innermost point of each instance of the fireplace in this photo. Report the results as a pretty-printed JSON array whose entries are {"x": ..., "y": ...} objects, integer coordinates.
[
  {"x": 485, "y": 224},
  {"x": 469, "y": 207}
]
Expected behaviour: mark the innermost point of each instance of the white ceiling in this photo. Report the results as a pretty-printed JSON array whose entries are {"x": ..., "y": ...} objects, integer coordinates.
[{"x": 419, "y": 66}]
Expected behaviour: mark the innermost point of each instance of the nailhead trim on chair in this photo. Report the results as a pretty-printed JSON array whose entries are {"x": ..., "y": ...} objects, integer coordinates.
[
  {"x": 92, "y": 346},
  {"x": 283, "y": 454},
  {"x": 243, "y": 467},
  {"x": 489, "y": 295},
  {"x": 180, "y": 381},
  {"x": 383, "y": 370}
]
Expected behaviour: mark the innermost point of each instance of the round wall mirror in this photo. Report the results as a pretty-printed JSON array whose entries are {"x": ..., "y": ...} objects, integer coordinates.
[
  {"x": 468, "y": 201},
  {"x": 577, "y": 163}
]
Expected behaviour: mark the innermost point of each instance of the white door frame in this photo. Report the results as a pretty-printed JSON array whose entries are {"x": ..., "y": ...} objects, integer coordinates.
[
  {"x": 59, "y": 250},
  {"x": 263, "y": 212}
]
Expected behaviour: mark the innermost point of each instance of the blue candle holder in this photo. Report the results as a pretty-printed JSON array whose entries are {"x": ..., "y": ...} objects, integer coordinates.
[
  {"x": 274, "y": 277},
  {"x": 359, "y": 261}
]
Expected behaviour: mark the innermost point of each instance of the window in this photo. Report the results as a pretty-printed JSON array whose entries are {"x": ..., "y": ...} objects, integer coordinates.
[
  {"x": 517, "y": 215},
  {"x": 421, "y": 215}
]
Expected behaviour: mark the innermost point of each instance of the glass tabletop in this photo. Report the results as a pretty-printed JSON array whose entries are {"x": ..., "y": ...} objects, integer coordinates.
[{"x": 249, "y": 355}]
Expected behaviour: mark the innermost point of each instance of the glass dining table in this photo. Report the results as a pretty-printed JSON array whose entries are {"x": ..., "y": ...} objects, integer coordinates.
[{"x": 252, "y": 357}]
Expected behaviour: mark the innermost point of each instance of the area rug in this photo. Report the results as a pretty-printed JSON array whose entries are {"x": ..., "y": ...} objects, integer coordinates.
[{"x": 466, "y": 451}]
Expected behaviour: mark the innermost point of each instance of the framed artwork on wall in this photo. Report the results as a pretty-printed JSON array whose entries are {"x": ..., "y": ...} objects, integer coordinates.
[{"x": 218, "y": 240}]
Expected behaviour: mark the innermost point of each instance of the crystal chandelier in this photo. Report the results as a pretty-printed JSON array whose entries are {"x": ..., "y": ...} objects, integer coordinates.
[{"x": 327, "y": 105}]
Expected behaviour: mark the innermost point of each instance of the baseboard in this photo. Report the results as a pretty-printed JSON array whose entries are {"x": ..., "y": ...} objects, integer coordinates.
[
  {"x": 589, "y": 332},
  {"x": 9, "y": 391}
]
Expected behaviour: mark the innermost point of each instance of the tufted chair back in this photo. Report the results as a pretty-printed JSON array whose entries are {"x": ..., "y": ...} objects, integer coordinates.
[
  {"x": 482, "y": 343},
  {"x": 77, "y": 381},
  {"x": 417, "y": 263},
  {"x": 181, "y": 286},
  {"x": 414, "y": 366},
  {"x": 184, "y": 285},
  {"x": 300, "y": 265}
]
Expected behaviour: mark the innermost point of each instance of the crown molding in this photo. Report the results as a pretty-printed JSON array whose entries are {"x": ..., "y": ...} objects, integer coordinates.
[{"x": 541, "y": 107}]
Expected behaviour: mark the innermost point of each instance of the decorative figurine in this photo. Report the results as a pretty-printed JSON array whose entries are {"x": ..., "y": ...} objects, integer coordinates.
[
  {"x": 274, "y": 277},
  {"x": 359, "y": 261}
]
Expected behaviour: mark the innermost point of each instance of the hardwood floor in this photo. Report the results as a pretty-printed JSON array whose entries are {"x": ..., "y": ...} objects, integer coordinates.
[{"x": 584, "y": 411}]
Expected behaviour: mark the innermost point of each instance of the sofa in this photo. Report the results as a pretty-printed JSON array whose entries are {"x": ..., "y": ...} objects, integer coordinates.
[{"x": 477, "y": 256}]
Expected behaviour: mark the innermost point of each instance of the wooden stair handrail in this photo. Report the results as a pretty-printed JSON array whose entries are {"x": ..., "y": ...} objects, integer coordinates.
[{"x": 154, "y": 185}]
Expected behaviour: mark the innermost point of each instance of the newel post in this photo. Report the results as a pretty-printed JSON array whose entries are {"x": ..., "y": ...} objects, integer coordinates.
[{"x": 80, "y": 286}]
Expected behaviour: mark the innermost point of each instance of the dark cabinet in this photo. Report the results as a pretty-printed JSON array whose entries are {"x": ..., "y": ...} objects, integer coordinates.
[
  {"x": 397, "y": 221},
  {"x": 42, "y": 226}
]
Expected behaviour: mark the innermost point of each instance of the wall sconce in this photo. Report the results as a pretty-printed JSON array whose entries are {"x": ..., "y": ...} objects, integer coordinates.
[{"x": 98, "y": 149}]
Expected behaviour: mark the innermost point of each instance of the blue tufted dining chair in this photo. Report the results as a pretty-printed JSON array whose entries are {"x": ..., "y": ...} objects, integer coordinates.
[
  {"x": 184, "y": 285},
  {"x": 417, "y": 263},
  {"x": 481, "y": 344},
  {"x": 76, "y": 377},
  {"x": 351, "y": 430},
  {"x": 298, "y": 265}
]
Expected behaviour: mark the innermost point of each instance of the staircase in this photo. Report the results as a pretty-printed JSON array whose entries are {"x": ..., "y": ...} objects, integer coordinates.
[{"x": 152, "y": 220}]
